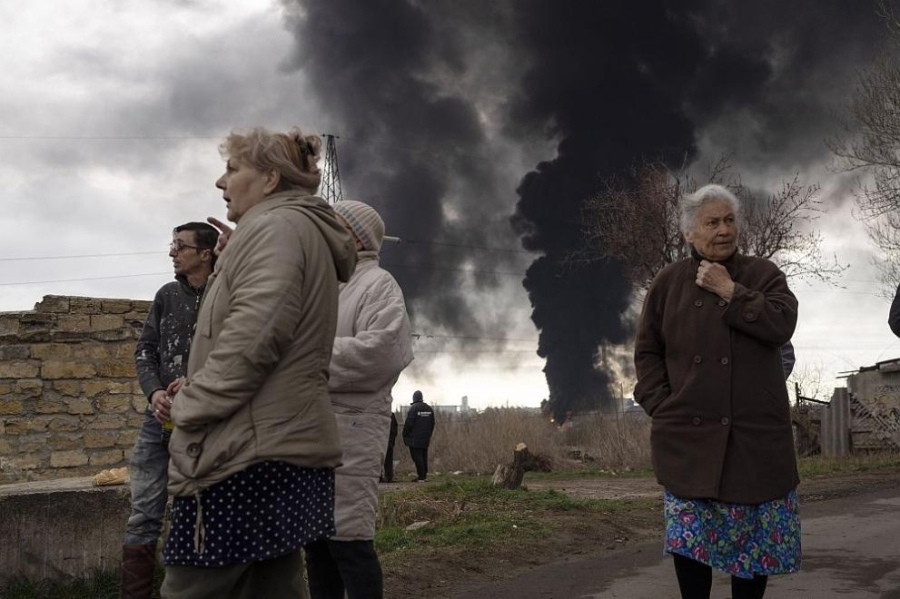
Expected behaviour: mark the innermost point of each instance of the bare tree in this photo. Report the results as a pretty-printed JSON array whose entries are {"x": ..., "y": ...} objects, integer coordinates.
[
  {"x": 870, "y": 146},
  {"x": 638, "y": 225}
]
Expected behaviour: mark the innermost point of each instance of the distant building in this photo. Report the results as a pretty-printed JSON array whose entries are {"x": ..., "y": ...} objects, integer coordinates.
[{"x": 461, "y": 409}]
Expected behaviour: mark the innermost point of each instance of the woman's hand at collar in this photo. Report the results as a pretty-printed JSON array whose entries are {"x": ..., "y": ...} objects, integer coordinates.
[{"x": 714, "y": 277}]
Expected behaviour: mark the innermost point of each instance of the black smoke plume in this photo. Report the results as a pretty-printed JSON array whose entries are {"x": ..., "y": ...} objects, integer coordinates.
[{"x": 423, "y": 94}]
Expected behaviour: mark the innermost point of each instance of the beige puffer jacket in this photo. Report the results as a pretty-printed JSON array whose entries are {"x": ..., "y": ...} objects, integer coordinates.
[
  {"x": 372, "y": 347},
  {"x": 257, "y": 384}
]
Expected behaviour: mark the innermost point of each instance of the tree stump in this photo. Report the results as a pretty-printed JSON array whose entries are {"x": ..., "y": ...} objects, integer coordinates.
[{"x": 510, "y": 476}]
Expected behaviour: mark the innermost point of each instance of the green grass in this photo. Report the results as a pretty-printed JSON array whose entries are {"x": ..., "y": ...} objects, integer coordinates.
[
  {"x": 819, "y": 465},
  {"x": 589, "y": 472},
  {"x": 99, "y": 585},
  {"x": 470, "y": 513}
]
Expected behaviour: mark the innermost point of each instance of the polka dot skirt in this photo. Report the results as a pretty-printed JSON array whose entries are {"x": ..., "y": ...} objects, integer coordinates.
[{"x": 267, "y": 510}]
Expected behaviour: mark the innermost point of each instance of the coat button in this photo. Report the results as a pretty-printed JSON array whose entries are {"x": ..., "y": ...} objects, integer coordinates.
[
  {"x": 725, "y": 421},
  {"x": 194, "y": 449},
  {"x": 695, "y": 422},
  {"x": 697, "y": 359},
  {"x": 698, "y": 303},
  {"x": 749, "y": 316},
  {"x": 723, "y": 302},
  {"x": 724, "y": 360}
]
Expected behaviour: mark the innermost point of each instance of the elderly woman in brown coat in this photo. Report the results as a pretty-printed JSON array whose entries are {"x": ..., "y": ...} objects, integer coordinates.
[{"x": 709, "y": 373}]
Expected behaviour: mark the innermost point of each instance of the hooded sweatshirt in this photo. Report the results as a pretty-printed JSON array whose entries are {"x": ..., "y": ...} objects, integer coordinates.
[{"x": 257, "y": 383}]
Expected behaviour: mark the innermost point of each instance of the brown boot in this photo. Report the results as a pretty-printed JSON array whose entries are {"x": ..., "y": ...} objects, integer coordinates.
[{"x": 138, "y": 565}]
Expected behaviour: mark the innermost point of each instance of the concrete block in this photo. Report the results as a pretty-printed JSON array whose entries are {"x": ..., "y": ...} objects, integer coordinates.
[
  {"x": 99, "y": 439},
  {"x": 106, "y": 322},
  {"x": 53, "y": 351},
  {"x": 123, "y": 369},
  {"x": 14, "y": 352},
  {"x": 68, "y": 459},
  {"x": 29, "y": 388},
  {"x": 93, "y": 387},
  {"x": 116, "y": 306},
  {"x": 74, "y": 323},
  {"x": 114, "y": 403},
  {"x": 78, "y": 405},
  {"x": 18, "y": 370},
  {"x": 67, "y": 370},
  {"x": 122, "y": 334},
  {"x": 58, "y": 304},
  {"x": 85, "y": 305},
  {"x": 66, "y": 387},
  {"x": 111, "y": 457},
  {"x": 61, "y": 530},
  {"x": 11, "y": 407}
]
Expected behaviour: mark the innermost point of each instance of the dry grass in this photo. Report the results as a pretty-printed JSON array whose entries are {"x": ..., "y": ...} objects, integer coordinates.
[{"x": 477, "y": 444}]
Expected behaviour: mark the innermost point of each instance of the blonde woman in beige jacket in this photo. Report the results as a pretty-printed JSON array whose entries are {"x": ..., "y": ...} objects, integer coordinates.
[{"x": 255, "y": 441}]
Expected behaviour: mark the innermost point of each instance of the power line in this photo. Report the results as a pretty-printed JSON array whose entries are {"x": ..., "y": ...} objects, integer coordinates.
[
  {"x": 116, "y": 254},
  {"x": 461, "y": 245},
  {"x": 433, "y": 156},
  {"x": 467, "y": 337},
  {"x": 477, "y": 351},
  {"x": 22, "y": 259},
  {"x": 149, "y": 274},
  {"x": 466, "y": 270},
  {"x": 105, "y": 137}
]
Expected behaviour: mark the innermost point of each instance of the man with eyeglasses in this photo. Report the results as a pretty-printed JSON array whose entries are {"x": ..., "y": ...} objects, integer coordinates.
[{"x": 161, "y": 356}]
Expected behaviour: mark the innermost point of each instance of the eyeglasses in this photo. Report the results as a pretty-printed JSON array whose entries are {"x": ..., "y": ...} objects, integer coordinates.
[{"x": 179, "y": 245}]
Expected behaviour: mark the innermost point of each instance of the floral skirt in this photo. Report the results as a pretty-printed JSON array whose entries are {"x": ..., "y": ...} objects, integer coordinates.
[{"x": 741, "y": 540}]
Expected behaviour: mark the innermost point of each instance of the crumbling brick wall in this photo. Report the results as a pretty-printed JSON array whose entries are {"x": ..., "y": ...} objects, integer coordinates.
[{"x": 70, "y": 403}]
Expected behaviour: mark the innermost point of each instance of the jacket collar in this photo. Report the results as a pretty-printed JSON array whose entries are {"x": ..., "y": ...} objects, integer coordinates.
[
  {"x": 733, "y": 263},
  {"x": 188, "y": 287}
]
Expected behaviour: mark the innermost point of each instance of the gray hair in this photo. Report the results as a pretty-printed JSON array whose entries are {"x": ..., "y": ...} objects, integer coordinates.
[{"x": 691, "y": 203}]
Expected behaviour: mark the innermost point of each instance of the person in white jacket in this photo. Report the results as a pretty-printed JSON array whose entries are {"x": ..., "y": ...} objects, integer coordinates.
[{"x": 372, "y": 347}]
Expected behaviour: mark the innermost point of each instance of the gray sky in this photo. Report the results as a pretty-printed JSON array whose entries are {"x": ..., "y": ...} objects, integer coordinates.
[{"x": 114, "y": 110}]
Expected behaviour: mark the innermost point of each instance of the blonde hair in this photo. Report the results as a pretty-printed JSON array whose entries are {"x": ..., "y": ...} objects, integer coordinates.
[{"x": 292, "y": 155}]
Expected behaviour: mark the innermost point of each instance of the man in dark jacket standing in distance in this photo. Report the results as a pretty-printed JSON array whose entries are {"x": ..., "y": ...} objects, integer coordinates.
[
  {"x": 161, "y": 356},
  {"x": 417, "y": 430}
]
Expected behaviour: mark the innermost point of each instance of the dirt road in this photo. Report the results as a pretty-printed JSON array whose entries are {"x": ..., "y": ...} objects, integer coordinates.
[{"x": 851, "y": 524}]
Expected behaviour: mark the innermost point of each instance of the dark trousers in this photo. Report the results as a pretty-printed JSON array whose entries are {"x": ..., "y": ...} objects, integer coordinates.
[
  {"x": 335, "y": 566},
  {"x": 389, "y": 462},
  {"x": 419, "y": 457},
  {"x": 277, "y": 578},
  {"x": 695, "y": 581}
]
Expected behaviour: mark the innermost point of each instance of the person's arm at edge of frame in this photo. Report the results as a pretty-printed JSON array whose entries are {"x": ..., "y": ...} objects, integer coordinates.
[
  {"x": 894, "y": 316},
  {"x": 146, "y": 351},
  {"x": 788, "y": 359},
  {"x": 410, "y": 422}
]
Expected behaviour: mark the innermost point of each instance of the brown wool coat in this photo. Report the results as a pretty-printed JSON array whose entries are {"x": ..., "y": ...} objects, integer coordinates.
[{"x": 710, "y": 376}]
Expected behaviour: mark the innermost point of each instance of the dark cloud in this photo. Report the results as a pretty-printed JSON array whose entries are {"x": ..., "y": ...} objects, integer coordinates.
[
  {"x": 779, "y": 74},
  {"x": 391, "y": 76},
  {"x": 424, "y": 93}
]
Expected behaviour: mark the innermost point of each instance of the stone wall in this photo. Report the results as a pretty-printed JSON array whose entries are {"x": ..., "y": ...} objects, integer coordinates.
[{"x": 70, "y": 403}]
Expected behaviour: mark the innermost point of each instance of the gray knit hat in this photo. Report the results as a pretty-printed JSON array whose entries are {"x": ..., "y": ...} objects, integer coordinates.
[{"x": 364, "y": 222}]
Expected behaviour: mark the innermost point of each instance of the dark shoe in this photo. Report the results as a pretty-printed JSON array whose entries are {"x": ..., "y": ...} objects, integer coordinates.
[{"x": 138, "y": 565}]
